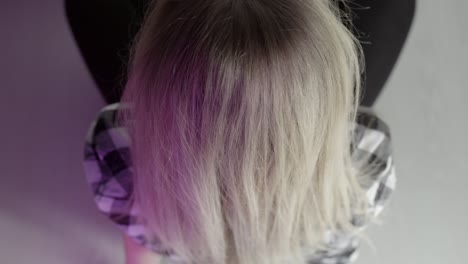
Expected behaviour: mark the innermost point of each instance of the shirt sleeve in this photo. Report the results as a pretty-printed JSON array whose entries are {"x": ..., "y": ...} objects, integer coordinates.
[
  {"x": 108, "y": 171},
  {"x": 373, "y": 149}
]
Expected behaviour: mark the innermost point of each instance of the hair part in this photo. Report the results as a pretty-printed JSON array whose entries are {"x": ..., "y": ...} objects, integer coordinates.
[{"x": 240, "y": 120}]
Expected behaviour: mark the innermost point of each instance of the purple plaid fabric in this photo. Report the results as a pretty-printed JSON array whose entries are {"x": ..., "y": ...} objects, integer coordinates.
[{"x": 108, "y": 170}]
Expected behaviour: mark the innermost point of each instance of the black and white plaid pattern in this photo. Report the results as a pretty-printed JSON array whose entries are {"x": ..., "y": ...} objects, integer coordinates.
[{"x": 108, "y": 170}]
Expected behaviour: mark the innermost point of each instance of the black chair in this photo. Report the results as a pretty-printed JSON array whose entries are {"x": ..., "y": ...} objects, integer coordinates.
[{"x": 104, "y": 30}]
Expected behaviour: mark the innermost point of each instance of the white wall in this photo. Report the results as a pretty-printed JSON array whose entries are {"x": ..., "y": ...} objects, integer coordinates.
[
  {"x": 48, "y": 99},
  {"x": 426, "y": 104}
]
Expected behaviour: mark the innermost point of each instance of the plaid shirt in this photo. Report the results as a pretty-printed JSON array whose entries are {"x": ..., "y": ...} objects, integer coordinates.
[{"x": 108, "y": 170}]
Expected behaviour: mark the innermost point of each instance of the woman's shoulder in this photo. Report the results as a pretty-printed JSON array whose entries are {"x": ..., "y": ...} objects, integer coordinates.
[
  {"x": 106, "y": 116},
  {"x": 107, "y": 162},
  {"x": 109, "y": 172},
  {"x": 372, "y": 148},
  {"x": 368, "y": 119},
  {"x": 372, "y": 134}
]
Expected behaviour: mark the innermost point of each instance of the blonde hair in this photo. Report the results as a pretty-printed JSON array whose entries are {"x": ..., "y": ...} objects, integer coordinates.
[{"x": 241, "y": 125}]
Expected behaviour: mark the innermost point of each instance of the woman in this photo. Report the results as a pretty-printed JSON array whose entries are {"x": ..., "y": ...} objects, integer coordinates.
[{"x": 238, "y": 137}]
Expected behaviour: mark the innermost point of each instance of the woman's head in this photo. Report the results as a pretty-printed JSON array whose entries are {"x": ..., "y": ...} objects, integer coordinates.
[{"x": 241, "y": 127}]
